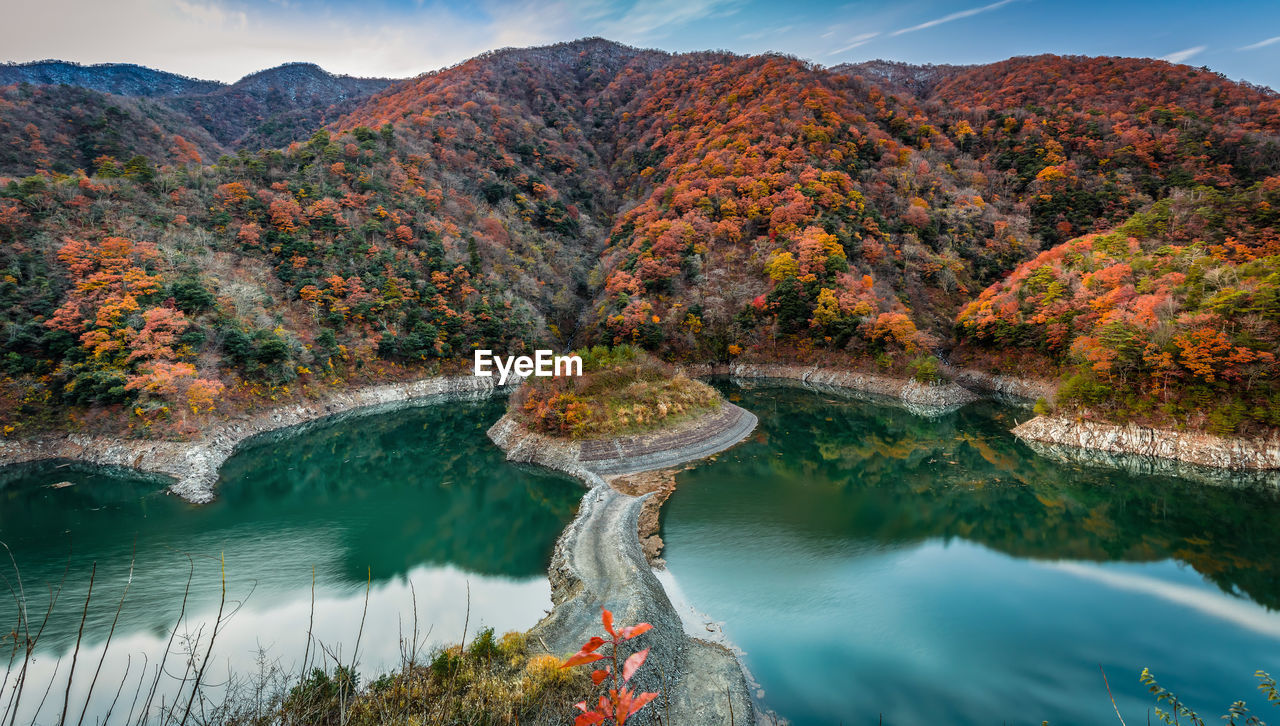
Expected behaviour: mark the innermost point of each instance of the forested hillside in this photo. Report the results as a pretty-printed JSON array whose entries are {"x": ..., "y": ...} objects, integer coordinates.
[
  {"x": 65, "y": 129},
  {"x": 61, "y": 117},
  {"x": 125, "y": 79},
  {"x": 706, "y": 206}
]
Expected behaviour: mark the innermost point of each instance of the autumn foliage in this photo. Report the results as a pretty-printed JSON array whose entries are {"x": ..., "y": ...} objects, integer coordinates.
[
  {"x": 1108, "y": 218},
  {"x": 1177, "y": 308},
  {"x": 621, "y": 702},
  {"x": 622, "y": 390}
]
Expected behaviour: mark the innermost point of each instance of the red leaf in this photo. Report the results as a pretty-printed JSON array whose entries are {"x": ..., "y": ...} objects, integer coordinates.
[
  {"x": 580, "y": 658},
  {"x": 633, "y": 663},
  {"x": 590, "y": 645},
  {"x": 623, "y": 708},
  {"x": 597, "y": 676},
  {"x": 633, "y": 631},
  {"x": 606, "y": 617},
  {"x": 639, "y": 701},
  {"x": 606, "y": 707},
  {"x": 588, "y": 718}
]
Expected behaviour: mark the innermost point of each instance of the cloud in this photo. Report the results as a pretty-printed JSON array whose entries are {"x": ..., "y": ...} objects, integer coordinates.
[
  {"x": 1211, "y": 604},
  {"x": 854, "y": 42},
  {"x": 1182, "y": 56},
  {"x": 645, "y": 21},
  {"x": 953, "y": 16},
  {"x": 767, "y": 32},
  {"x": 1262, "y": 43},
  {"x": 226, "y": 39}
]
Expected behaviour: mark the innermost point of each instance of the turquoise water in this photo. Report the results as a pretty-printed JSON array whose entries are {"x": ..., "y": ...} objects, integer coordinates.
[
  {"x": 869, "y": 562},
  {"x": 416, "y": 504},
  {"x": 872, "y": 564}
]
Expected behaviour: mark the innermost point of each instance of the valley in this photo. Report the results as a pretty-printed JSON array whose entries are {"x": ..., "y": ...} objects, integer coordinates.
[{"x": 710, "y": 208}]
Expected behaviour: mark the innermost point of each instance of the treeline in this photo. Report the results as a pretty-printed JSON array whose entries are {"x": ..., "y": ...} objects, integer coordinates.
[{"x": 703, "y": 206}]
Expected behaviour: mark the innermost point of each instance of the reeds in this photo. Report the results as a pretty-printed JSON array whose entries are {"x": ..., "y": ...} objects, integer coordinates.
[{"x": 491, "y": 681}]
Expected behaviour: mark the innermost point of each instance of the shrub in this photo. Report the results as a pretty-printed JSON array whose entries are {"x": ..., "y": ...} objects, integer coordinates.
[
  {"x": 621, "y": 702},
  {"x": 926, "y": 370},
  {"x": 622, "y": 390},
  {"x": 485, "y": 646}
]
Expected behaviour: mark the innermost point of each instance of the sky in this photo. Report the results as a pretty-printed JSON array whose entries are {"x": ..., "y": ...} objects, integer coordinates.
[{"x": 227, "y": 39}]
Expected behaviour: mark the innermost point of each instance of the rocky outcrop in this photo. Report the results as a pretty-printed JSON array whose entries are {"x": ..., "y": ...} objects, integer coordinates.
[
  {"x": 1016, "y": 389},
  {"x": 1141, "y": 449},
  {"x": 689, "y": 441},
  {"x": 662, "y": 484},
  {"x": 193, "y": 465},
  {"x": 920, "y": 398}
]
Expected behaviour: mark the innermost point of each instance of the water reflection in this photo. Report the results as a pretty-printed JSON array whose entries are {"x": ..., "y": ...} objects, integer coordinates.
[
  {"x": 893, "y": 477},
  {"x": 938, "y": 571},
  {"x": 418, "y": 495}
]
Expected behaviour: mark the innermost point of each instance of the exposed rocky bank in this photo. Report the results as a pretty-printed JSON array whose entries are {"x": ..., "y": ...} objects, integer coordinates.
[
  {"x": 1142, "y": 449},
  {"x": 598, "y": 562},
  {"x": 920, "y": 398},
  {"x": 662, "y": 484},
  {"x": 1020, "y": 390},
  {"x": 690, "y": 440},
  {"x": 193, "y": 465}
]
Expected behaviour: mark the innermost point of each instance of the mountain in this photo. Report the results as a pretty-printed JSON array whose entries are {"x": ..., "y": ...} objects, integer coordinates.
[
  {"x": 276, "y": 106},
  {"x": 901, "y": 78},
  {"x": 123, "y": 79},
  {"x": 65, "y": 128},
  {"x": 706, "y": 206},
  {"x": 122, "y": 110}
]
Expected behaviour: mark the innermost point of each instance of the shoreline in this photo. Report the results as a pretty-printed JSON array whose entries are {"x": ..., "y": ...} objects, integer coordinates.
[
  {"x": 1013, "y": 389},
  {"x": 193, "y": 466},
  {"x": 1193, "y": 454},
  {"x": 919, "y": 398}
]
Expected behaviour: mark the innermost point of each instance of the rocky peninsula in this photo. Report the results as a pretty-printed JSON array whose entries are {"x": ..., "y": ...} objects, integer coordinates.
[{"x": 600, "y": 559}]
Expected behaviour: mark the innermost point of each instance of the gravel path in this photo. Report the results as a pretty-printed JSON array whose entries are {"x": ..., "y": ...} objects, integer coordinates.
[{"x": 600, "y": 562}]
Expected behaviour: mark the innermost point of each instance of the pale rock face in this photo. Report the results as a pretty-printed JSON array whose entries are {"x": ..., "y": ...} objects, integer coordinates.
[
  {"x": 917, "y": 397},
  {"x": 1025, "y": 390},
  {"x": 708, "y": 434},
  {"x": 1195, "y": 448}
]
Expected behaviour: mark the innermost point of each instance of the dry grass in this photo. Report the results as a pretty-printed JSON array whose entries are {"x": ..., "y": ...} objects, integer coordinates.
[
  {"x": 494, "y": 681},
  {"x": 622, "y": 391}
]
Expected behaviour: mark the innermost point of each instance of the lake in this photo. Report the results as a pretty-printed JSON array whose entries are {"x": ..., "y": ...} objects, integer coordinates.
[
  {"x": 868, "y": 562},
  {"x": 871, "y": 562},
  {"x": 416, "y": 505}
]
